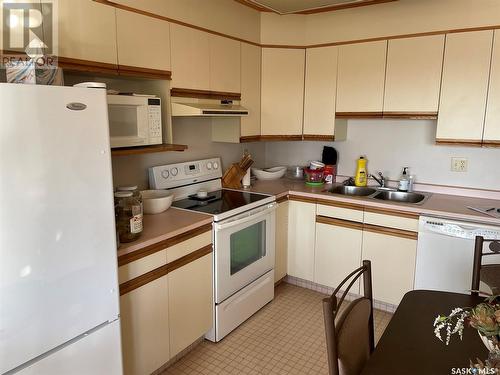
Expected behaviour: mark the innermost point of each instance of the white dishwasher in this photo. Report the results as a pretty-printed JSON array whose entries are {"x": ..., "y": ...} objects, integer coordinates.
[{"x": 445, "y": 253}]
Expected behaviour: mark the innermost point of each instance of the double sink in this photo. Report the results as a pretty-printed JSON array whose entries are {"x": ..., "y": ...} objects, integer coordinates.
[{"x": 380, "y": 193}]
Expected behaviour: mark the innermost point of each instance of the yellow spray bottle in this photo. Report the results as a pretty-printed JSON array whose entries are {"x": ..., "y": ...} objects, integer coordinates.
[{"x": 361, "y": 176}]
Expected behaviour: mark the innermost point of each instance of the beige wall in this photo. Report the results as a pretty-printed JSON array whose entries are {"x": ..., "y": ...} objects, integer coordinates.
[
  {"x": 276, "y": 29},
  {"x": 194, "y": 132},
  {"x": 390, "y": 145},
  {"x": 224, "y": 16},
  {"x": 400, "y": 17}
]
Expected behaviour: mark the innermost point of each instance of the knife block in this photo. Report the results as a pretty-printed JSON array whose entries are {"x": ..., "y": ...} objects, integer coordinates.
[{"x": 233, "y": 176}]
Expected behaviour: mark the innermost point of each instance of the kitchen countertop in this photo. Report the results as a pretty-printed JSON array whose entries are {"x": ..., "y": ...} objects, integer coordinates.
[
  {"x": 442, "y": 205},
  {"x": 163, "y": 226},
  {"x": 175, "y": 221}
]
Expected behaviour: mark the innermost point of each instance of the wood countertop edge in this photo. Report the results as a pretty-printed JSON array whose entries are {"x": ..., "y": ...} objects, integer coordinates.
[
  {"x": 421, "y": 210},
  {"x": 155, "y": 240},
  {"x": 283, "y": 195}
]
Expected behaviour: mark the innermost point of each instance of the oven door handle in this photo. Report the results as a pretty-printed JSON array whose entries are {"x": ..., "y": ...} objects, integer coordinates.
[{"x": 249, "y": 216}]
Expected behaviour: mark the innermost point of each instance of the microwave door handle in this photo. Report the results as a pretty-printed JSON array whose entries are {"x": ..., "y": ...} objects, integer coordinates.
[{"x": 246, "y": 219}]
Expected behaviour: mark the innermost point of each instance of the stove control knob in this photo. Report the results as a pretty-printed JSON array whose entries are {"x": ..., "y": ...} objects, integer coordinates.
[
  {"x": 209, "y": 165},
  {"x": 216, "y": 165},
  {"x": 165, "y": 174},
  {"x": 174, "y": 171}
]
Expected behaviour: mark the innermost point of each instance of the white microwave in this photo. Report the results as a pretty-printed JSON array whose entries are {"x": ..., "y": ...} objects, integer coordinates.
[{"x": 134, "y": 120}]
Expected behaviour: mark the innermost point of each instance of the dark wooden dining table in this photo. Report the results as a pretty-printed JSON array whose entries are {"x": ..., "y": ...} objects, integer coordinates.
[{"x": 409, "y": 346}]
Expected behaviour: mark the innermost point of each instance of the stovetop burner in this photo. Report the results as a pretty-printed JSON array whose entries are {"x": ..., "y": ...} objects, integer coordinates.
[
  {"x": 195, "y": 197},
  {"x": 219, "y": 201}
]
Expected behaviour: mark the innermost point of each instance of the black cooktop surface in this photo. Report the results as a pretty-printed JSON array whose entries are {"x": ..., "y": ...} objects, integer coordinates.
[{"x": 219, "y": 201}]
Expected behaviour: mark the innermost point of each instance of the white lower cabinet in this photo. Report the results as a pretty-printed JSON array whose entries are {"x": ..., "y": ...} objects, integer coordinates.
[
  {"x": 190, "y": 303},
  {"x": 145, "y": 327},
  {"x": 393, "y": 265},
  {"x": 301, "y": 237},
  {"x": 162, "y": 317},
  {"x": 337, "y": 253},
  {"x": 280, "y": 265}
]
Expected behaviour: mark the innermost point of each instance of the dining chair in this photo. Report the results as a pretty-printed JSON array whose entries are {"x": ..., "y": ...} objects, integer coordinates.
[
  {"x": 487, "y": 273},
  {"x": 350, "y": 331}
]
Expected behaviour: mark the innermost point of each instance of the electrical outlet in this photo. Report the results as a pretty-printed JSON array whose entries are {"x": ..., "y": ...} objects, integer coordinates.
[{"x": 458, "y": 164}]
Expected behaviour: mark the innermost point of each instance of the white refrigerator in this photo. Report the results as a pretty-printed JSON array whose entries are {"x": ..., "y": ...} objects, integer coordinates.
[{"x": 59, "y": 298}]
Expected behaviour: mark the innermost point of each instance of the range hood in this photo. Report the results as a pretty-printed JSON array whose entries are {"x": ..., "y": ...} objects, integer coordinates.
[{"x": 182, "y": 107}]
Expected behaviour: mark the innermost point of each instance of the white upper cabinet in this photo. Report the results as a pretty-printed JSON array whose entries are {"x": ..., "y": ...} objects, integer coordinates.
[
  {"x": 464, "y": 87},
  {"x": 190, "y": 58},
  {"x": 225, "y": 73},
  {"x": 361, "y": 76},
  {"x": 251, "y": 59},
  {"x": 142, "y": 41},
  {"x": 492, "y": 123},
  {"x": 319, "y": 92},
  {"x": 282, "y": 98},
  {"x": 87, "y": 31},
  {"x": 413, "y": 76}
]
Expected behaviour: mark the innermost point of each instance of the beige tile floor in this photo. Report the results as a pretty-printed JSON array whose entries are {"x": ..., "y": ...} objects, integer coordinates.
[{"x": 285, "y": 337}]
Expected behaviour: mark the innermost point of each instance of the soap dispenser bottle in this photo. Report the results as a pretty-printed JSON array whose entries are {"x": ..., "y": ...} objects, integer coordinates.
[
  {"x": 360, "y": 178},
  {"x": 404, "y": 181}
]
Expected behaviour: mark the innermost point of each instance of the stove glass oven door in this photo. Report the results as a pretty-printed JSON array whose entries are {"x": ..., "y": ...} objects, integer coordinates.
[{"x": 244, "y": 249}]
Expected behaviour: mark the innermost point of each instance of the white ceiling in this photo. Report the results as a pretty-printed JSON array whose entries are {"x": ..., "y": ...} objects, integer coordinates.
[{"x": 293, "y": 6}]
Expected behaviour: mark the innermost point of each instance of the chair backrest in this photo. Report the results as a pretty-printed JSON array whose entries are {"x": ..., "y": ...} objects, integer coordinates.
[
  {"x": 350, "y": 332},
  {"x": 488, "y": 273}
]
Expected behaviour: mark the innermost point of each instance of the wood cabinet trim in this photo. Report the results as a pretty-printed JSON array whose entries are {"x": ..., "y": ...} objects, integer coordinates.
[
  {"x": 339, "y": 222},
  {"x": 390, "y": 231},
  {"x": 333, "y": 8},
  {"x": 135, "y": 71},
  {"x": 349, "y": 115},
  {"x": 147, "y": 149},
  {"x": 405, "y": 36},
  {"x": 144, "y": 279},
  {"x": 318, "y": 137},
  {"x": 250, "y": 138},
  {"x": 150, "y": 276},
  {"x": 271, "y": 138},
  {"x": 282, "y": 199},
  {"x": 151, "y": 249},
  {"x": 171, "y": 20},
  {"x": 459, "y": 142},
  {"x": 78, "y": 65},
  {"x": 390, "y": 212},
  {"x": 191, "y": 257},
  {"x": 330, "y": 8},
  {"x": 299, "y": 198},
  {"x": 488, "y": 143},
  {"x": 278, "y": 137},
  {"x": 204, "y": 94},
  {"x": 411, "y": 115},
  {"x": 388, "y": 37},
  {"x": 351, "y": 206}
]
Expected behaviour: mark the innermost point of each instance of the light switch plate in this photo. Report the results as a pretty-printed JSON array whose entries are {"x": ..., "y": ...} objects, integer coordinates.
[{"x": 459, "y": 164}]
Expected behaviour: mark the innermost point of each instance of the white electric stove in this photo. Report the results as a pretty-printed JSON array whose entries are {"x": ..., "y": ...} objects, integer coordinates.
[{"x": 243, "y": 237}]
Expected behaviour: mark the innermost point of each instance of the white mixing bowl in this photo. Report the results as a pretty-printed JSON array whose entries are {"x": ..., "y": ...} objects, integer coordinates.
[
  {"x": 269, "y": 173},
  {"x": 156, "y": 201}
]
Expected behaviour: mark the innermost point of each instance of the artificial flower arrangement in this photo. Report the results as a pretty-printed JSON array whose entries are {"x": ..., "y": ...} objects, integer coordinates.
[{"x": 485, "y": 318}]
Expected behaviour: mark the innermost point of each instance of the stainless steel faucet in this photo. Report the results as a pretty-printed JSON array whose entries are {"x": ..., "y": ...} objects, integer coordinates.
[{"x": 381, "y": 180}]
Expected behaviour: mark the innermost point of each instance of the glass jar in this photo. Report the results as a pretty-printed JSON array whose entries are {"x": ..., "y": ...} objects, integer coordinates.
[
  {"x": 136, "y": 193},
  {"x": 128, "y": 216}
]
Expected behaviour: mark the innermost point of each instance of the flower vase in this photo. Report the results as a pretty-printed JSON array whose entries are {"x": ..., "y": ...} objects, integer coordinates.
[{"x": 493, "y": 347}]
